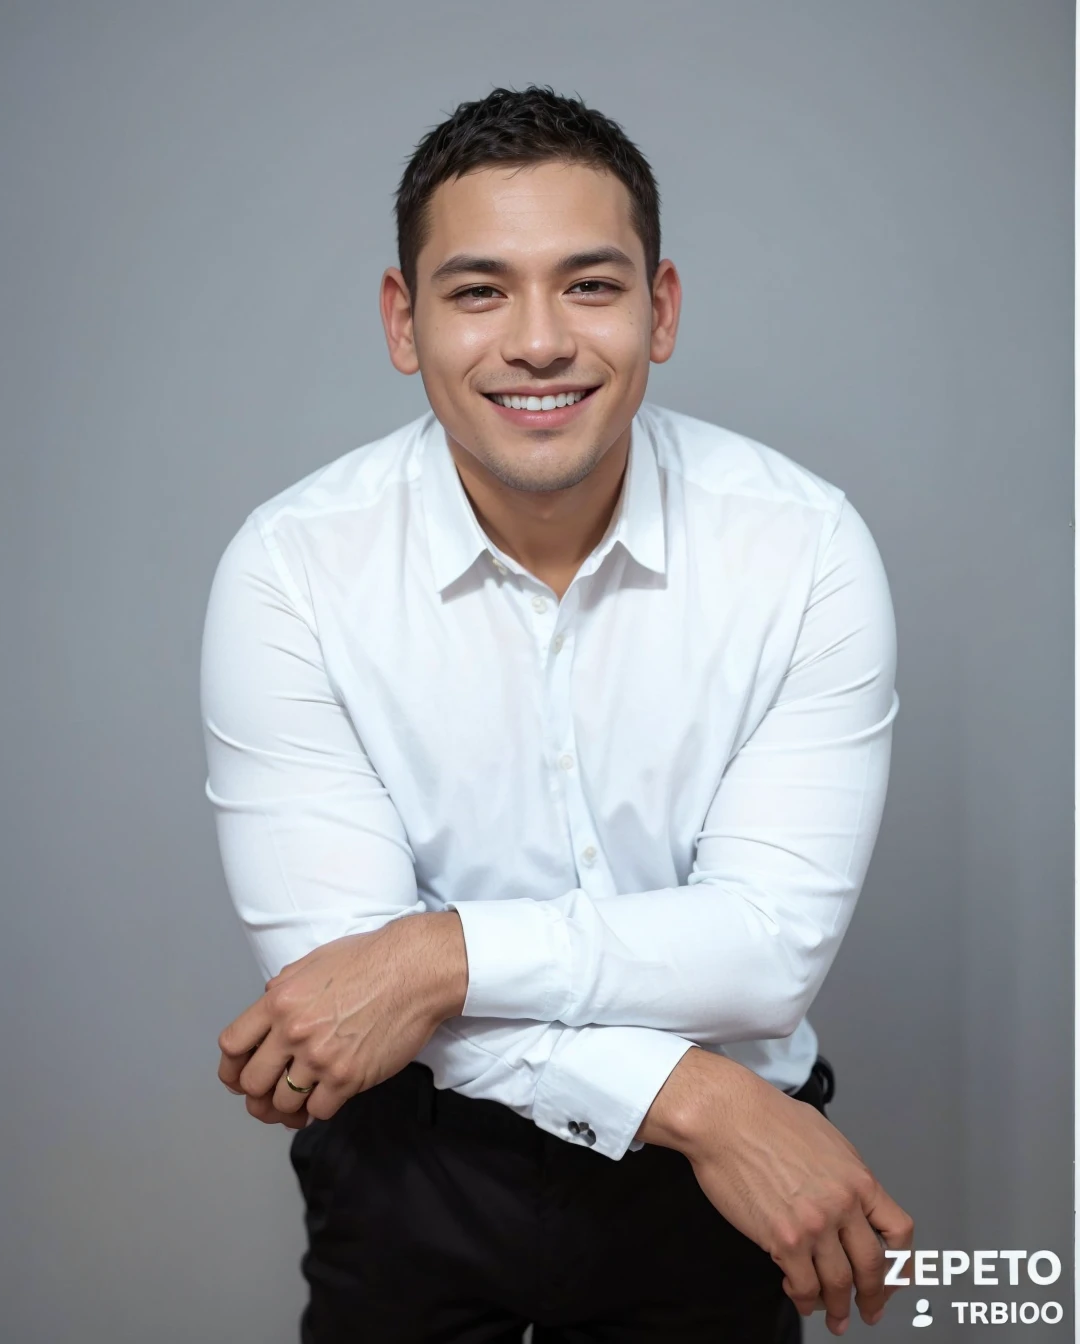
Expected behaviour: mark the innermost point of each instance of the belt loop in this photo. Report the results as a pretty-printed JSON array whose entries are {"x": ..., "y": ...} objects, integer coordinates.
[
  {"x": 425, "y": 1094},
  {"x": 824, "y": 1070}
]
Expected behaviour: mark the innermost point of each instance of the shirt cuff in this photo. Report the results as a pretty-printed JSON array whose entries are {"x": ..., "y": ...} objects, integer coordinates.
[
  {"x": 599, "y": 1083},
  {"x": 518, "y": 953}
]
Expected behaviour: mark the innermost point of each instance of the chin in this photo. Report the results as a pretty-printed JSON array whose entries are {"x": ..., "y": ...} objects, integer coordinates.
[{"x": 541, "y": 479}]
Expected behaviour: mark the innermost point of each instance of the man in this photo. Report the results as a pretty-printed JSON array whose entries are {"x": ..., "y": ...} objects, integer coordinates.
[{"x": 600, "y": 697}]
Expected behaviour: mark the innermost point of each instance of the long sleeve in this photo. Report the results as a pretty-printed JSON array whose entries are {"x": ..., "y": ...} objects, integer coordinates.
[
  {"x": 740, "y": 951},
  {"x": 313, "y": 849}
]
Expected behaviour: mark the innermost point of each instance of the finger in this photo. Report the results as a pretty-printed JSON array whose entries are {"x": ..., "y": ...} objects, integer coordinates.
[
  {"x": 328, "y": 1098},
  {"x": 286, "y": 1099},
  {"x": 247, "y": 1031},
  {"x": 229, "y": 1071},
  {"x": 834, "y": 1274},
  {"x": 866, "y": 1255},
  {"x": 262, "y": 1108},
  {"x": 259, "y": 1076},
  {"x": 800, "y": 1279},
  {"x": 895, "y": 1225}
]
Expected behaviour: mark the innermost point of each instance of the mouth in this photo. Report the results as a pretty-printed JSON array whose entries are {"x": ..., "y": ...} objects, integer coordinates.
[{"x": 540, "y": 409}]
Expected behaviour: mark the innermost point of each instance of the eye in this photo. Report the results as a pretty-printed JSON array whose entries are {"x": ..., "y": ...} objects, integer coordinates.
[
  {"x": 476, "y": 293},
  {"x": 587, "y": 287}
]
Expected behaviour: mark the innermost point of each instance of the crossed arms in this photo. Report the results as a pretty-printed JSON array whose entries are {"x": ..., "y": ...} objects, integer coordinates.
[{"x": 603, "y": 998}]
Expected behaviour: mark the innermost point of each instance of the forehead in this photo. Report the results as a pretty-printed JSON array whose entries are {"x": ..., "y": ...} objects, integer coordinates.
[{"x": 528, "y": 215}]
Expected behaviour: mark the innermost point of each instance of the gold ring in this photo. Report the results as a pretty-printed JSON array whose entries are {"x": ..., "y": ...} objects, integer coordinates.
[{"x": 293, "y": 1085}]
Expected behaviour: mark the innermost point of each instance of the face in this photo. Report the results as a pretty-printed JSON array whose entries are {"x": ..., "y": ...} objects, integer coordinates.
[{"x": 533, "y": 324}]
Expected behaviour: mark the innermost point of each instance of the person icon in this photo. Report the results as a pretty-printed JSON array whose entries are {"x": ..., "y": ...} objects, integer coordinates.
[{"x": 923, "y": 1317}]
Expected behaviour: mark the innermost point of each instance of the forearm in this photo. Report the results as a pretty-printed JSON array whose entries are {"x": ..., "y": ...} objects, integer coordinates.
[{"x": 714, "y": 962}]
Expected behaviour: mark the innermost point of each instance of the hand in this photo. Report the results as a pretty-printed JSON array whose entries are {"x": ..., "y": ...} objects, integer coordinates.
[
  {"x": 778, "y": 1171},
  {"x": 350, "y": 1014}
]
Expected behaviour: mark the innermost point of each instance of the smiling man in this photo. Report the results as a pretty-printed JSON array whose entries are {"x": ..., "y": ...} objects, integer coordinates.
[{"x": 548, "y": 739}]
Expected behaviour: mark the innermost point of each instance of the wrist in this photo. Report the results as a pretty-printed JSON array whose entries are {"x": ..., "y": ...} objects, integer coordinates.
[
  {"x": 450, "y": 963},
  {"x": 685, "y": 1108}
]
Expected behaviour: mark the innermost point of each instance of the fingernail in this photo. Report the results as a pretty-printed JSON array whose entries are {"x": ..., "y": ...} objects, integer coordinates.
[
  {"x": 309, "y": 1121},
  {"x": 235, "y": 1091},
  {"x": 877, "y": 1316}
]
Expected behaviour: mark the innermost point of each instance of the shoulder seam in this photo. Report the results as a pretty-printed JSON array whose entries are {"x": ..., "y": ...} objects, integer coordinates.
[{"x": 288, "y": 582}]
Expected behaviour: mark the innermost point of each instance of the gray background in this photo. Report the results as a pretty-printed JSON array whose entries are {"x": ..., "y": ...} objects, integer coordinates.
[{"x": 871, "y": 205}]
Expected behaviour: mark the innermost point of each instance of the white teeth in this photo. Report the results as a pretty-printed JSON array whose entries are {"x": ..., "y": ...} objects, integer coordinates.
[{"x": 547, "y": 403}]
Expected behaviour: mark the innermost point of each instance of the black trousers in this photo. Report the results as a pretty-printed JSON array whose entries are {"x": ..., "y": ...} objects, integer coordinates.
[{"x": 434, "y": 1218}]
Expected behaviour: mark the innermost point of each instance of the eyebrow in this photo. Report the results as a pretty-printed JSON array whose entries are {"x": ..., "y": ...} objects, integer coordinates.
[{"x": 463, "y": 263}]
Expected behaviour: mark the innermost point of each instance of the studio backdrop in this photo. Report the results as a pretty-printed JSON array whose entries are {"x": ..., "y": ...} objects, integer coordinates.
[{"x": 871, "y": 208}]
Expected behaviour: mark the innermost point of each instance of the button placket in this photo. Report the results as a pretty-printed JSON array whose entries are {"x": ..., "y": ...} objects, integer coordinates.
[{"x": 566, "y": 774}]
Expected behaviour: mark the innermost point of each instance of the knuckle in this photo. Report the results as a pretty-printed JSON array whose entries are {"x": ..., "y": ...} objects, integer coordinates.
[
  {"x": 280, "y": 996},
  {"x": 812, "y": 1220},
  {"x": 295, "y": 1031},
  {"x": 787, "y": 1238},
  {"x": 849, "y": 1201},
  {"x": 339, "y": 1073}
]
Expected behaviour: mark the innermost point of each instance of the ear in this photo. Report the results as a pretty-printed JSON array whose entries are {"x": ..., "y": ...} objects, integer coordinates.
[
  {"x": 666, "y": 303},
  {"x": 395, "y": 307}
]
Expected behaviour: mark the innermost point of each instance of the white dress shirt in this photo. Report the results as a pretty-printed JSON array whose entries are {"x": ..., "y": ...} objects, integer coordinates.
[{"x": 652, "y": 802}]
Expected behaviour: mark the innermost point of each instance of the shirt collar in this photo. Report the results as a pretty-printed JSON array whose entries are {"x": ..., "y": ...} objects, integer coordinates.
[{"x": 455, "y": 537}]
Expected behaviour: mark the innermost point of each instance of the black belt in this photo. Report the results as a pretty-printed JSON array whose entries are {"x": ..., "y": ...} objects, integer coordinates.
[{"x": 822, "y": 1076}]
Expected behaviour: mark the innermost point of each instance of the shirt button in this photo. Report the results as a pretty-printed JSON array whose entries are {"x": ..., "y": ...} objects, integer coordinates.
[
  {"x": 499, "y": 566},
  {"x": 566, "y": 761},
  {"x": 558, "y": 641},
  {"x": 539, "y": 604},
  {"x": 588, "y": 853}
]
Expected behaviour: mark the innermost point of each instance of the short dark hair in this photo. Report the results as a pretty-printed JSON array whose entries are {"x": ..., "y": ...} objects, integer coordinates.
[{"x": 536, "y": 125}]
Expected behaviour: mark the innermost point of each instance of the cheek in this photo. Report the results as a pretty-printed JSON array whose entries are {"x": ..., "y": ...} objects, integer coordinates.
[
  {"x": 622, "y": 340},
  {"x": 452, "y": 348}
]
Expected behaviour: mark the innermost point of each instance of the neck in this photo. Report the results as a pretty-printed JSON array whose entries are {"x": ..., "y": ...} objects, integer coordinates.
[{"x": 551, "y": 532}]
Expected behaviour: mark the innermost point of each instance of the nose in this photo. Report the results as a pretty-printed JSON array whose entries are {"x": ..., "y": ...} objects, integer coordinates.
[{"x": 537, "y": 332}]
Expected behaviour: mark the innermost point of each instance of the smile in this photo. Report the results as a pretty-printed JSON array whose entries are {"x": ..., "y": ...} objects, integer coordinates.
[{"x": 547, "y": 402}]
